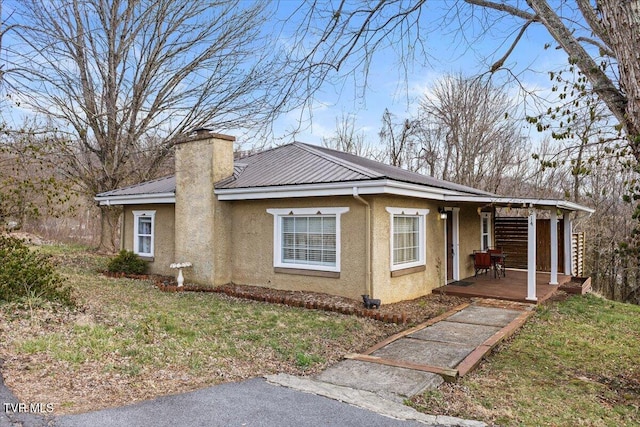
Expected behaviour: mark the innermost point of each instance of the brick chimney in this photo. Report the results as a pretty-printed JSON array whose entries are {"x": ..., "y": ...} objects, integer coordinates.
[{"x": 202, "y": 223}]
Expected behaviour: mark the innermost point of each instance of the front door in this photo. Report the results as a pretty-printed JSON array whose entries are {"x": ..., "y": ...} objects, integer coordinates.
[{"x": 449, "y": 246}]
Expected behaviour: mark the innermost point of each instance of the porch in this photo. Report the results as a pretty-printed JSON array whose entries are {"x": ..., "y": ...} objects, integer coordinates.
[{"x": 513, "y": 287}]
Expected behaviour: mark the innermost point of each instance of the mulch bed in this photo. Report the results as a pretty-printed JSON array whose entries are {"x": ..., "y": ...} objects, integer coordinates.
[{"x": 406, "y": 312}]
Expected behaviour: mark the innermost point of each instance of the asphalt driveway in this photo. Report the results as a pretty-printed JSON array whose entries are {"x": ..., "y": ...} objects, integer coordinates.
[
  {"x": 254, "y": 402},
  {"x": 366, "y": 390}
]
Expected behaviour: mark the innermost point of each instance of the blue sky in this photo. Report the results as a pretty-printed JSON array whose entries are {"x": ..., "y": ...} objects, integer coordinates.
[
  {"x": 387, "y": 87},
  {"x": 449, "y": 54}
]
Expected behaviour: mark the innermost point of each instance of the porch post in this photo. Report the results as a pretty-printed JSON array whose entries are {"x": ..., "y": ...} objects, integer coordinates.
[
  {"x": 456, "y": 243},
  {"x": 568, "y": 232},
  {"x": 554, "y": 247},
  {"x": 531, "y": 257}
]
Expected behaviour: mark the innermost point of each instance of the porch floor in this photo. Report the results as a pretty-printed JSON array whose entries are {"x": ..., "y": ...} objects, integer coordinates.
[{"x": 513, "y": 287}]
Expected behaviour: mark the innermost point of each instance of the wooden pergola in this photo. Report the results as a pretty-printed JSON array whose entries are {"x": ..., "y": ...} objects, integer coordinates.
[{"x": 533, "y": 207}]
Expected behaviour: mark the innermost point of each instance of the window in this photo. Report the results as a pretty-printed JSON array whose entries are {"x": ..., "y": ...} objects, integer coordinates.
[
  {"x": 307, "y": 238},
  {"x": 143, "y": 231},
  {"x": 406, "y": 239},
  {"x": 408, "y": 242},
  {"x": 485, "y": 230}
]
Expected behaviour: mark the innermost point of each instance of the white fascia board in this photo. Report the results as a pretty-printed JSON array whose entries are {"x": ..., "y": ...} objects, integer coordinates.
[
  {"x": 571, "y": 206},
  {"x": 420, "y": 191},
  {"x": 137, "y": 199},
  {"x": 524, "y": 202},
  {"x": 289, "y": 191},
  {"x": 334, "y": 189}
]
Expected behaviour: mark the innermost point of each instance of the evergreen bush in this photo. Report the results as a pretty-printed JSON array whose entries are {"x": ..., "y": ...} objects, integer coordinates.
[
  {"x": 127, "y": 262},
  {"x": 26, "y": 274}
]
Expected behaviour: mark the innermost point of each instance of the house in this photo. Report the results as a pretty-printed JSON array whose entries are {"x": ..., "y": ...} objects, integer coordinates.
[{"x": 303, "y": 217}]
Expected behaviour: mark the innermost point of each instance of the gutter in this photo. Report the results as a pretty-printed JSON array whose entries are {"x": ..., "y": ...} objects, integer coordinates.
[
  {"x": 521, "y": 202},
  {"x": 136, "y": 199},
  {"x": 368, "y": 286},
  {"x": 341, "y": 188}
]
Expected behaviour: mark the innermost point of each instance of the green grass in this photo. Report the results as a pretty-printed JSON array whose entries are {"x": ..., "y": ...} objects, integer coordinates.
[
  {"x": 155, "y": 329},
  {"x": 138, "y": 341},
  {"x": 576, "y": 363}
]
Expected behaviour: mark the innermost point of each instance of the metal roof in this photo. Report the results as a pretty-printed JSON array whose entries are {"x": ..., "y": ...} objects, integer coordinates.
[
  {"x": 299, "y": 163},
  {"x": 399, "y": 174},
  {"x": 298, "y": 169},
  {"x": 163, "y": 185}
]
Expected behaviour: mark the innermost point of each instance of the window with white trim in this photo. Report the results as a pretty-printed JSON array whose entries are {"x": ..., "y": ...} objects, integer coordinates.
[
  {"x": 143, "y": 232},
  {"x": 307, "y": 238},
  {"x": 408, "y": 239},
  {"x": 485, "y": 230}
]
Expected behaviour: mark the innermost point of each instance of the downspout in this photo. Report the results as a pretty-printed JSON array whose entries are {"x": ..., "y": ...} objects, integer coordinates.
[{"x": 368, "y": 288}]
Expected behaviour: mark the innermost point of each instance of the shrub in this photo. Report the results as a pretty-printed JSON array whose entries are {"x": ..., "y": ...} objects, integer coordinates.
[
  {"x": 127, "y": 262},
  {"x": 25, "y": 274}
]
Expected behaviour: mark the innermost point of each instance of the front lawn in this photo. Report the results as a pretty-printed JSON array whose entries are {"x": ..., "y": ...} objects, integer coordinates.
[
  {"x": 577, "y": 362},
  {"x": 128, "y": 341}
]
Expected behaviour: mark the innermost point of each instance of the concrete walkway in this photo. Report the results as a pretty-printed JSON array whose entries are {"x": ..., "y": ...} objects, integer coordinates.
[
  {"x": 365, "y": 389},
  {"x": 425, "y": 356}
]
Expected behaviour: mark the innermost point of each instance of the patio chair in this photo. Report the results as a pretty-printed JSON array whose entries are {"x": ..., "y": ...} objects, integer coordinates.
[
  {"x": 497, "y": 261},
  {"x": 481, "y": 261}
]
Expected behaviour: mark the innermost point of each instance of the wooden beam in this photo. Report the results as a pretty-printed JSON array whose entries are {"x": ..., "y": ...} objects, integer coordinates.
[{"x": 448, "y": 374}]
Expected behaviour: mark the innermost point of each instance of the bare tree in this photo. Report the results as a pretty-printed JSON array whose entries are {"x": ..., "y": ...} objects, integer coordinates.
[
  {"x": 585, "y": 136},
  {"x": 399, "y": 141},
  {"x": 347, "y": 139},
  {"x": 120, "y": 80},
  {"x": 602, "y": 40},
  {"x": 611, "y": 253},
  {"x": 477, "y": 140}
]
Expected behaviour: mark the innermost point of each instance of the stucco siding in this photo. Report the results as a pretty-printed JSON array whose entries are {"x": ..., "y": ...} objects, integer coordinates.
[
  {"x": 164, "y": 226},
  {"x": 249, "y": 257},
  {"x": 202, "y": 222},
  {"x": 415, "y": 284},
  {"x": 252, "y": 237},
  {"x": 469, "y": 238}
]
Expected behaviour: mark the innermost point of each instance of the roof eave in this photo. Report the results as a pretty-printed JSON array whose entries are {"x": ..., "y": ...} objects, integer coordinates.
[
  {"x": 136, "y": 199},
  {"x": 522, "y": 202},
  {"x": 343, "y": 188}
]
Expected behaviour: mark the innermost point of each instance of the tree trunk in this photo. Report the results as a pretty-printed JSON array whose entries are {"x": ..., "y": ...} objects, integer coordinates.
[
  {"x": 110, "y": 228},
  {"x": 622, "y": 20}
]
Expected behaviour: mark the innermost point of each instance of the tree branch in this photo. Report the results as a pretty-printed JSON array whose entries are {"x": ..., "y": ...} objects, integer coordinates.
[
  {"x": 595, "y": 24},
  {"x": 601, "y": 83},
  {"x": 604, "y": 50},
  {"x": 504, "y": 8},
  {"x": 499, "y": 63}
]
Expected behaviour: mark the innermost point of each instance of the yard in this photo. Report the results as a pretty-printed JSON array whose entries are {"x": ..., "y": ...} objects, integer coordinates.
[
  {"x": 127, "y": 341},
  {"x": 574, "y": 363}
]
